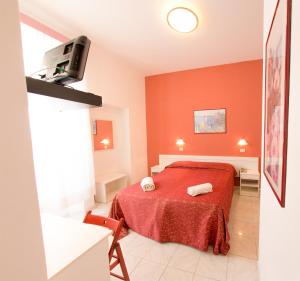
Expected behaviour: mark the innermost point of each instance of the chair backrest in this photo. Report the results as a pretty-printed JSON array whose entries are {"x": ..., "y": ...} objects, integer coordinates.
[{"x": 112, "y": 224}]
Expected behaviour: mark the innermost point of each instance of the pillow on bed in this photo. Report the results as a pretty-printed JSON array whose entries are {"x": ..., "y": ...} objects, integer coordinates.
[{"x": 203, "y": 165}]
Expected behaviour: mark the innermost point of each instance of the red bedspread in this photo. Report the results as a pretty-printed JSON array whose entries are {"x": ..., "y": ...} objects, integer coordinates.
[{"x": 169, "y": 214}]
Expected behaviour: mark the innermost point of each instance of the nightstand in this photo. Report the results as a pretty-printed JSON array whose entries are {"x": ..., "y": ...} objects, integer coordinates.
[
  {"x": 249, "y": 182},
  {"x": 156, "y": 169}
]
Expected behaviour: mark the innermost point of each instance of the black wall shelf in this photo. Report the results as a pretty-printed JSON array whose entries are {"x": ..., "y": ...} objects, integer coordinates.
[{"x": 44, "y": 88}]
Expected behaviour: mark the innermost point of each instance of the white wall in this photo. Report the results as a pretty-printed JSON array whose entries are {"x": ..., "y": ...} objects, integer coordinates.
[
  {"x": 61, "y": 141},
  {"x": 120, "y": 85},
  {"x": 118, "y": 157},
  {"x": 279, "y": 250},
  {"x": 21, "y": 249}
]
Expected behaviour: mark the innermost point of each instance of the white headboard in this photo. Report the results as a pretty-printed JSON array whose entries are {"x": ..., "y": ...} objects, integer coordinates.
[{"x": 236, "y": 161}]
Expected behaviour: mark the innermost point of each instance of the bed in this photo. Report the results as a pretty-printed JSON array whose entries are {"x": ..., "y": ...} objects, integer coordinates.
[{"x": 169, "y": 214}]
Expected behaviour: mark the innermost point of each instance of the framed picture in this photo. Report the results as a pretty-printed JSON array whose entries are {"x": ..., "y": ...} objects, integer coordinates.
[
  {"x": 210, "y": 121},
  {"x": 277, "y": 75}
]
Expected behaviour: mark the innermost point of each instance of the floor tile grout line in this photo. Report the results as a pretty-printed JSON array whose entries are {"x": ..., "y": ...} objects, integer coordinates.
[
  {"x": 143, "y": 259},
  {"x": 210, "y": 278},
  {"x": 193, "y": 273},
  {"x": 130, "y": 242},
  {"x": 134, "y": 268},
  {"x": 162, "y": 273},
  {"x": 180, "y": 268},
  {"x": 173, "y": 255},
  {"x": 213, "y": 279},
  {"x": 197, "y": 263}
]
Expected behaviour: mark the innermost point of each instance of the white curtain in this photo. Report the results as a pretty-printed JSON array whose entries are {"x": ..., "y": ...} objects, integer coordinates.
[{"x": 61, "y": 140}]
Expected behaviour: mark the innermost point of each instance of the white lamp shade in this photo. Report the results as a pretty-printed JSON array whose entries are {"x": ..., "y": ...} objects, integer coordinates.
[
  {"x": 105, "y": 141},
  {"x": 180, "y": 142},
  {"x": 242, "y": 142}
]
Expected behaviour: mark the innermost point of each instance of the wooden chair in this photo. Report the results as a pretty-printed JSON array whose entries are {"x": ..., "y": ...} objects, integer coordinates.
[{"x": 116, "y": 227}]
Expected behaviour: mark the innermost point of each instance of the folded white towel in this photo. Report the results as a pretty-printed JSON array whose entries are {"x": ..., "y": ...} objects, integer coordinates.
[
  {"x": 147, "y": 184},
  {"x": 199, "y": 189}
]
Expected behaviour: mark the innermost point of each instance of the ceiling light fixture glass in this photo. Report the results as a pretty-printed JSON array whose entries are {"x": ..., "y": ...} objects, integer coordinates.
[{"x": 182, "y": 19}]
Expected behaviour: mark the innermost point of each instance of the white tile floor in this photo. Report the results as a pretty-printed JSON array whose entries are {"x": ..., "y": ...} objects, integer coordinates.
[{"x": 148, "y": 260}]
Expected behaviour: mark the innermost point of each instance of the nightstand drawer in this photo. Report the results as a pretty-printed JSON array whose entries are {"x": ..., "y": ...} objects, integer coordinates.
[{"x": 249, "y": 182}]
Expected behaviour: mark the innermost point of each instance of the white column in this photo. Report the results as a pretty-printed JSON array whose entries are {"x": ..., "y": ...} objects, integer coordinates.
[{"x": 21, "y": 254}]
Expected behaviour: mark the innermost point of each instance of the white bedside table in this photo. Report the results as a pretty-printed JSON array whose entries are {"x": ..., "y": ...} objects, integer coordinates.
[
  {"x": 249, "y": 182},
  {"x": 156, "y": 169}
]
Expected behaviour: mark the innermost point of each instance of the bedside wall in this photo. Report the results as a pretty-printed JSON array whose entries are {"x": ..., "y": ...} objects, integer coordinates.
[{"x": 171, "y": 99}]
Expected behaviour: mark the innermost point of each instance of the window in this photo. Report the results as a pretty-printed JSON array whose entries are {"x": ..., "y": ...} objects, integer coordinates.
[{"x": 61, "y": 139}]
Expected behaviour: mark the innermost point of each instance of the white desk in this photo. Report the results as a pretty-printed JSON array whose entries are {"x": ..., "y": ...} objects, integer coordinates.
[
  {"x": 75, "y": 251},
  {"x": 108, "y": 185}
]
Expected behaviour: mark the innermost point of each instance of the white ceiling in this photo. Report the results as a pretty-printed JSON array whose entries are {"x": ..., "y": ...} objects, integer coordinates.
[{"x": 229, "y": 30}]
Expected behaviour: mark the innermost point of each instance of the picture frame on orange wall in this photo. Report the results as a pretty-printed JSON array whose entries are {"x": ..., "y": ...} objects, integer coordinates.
[
  {"x": 277, "y": 76},
  {"x": 210, "y": 121}
]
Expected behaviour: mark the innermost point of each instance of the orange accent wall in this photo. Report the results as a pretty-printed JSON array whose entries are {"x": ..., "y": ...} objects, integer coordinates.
[{"x": 171, "y": 99}]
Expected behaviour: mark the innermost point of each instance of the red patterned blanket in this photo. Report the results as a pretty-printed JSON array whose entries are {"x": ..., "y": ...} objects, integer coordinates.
[{"x": 169, "y": 214}]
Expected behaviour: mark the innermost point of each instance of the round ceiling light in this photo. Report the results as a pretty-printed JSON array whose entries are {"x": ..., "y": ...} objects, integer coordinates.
[{"x": 182, "y": 19}]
